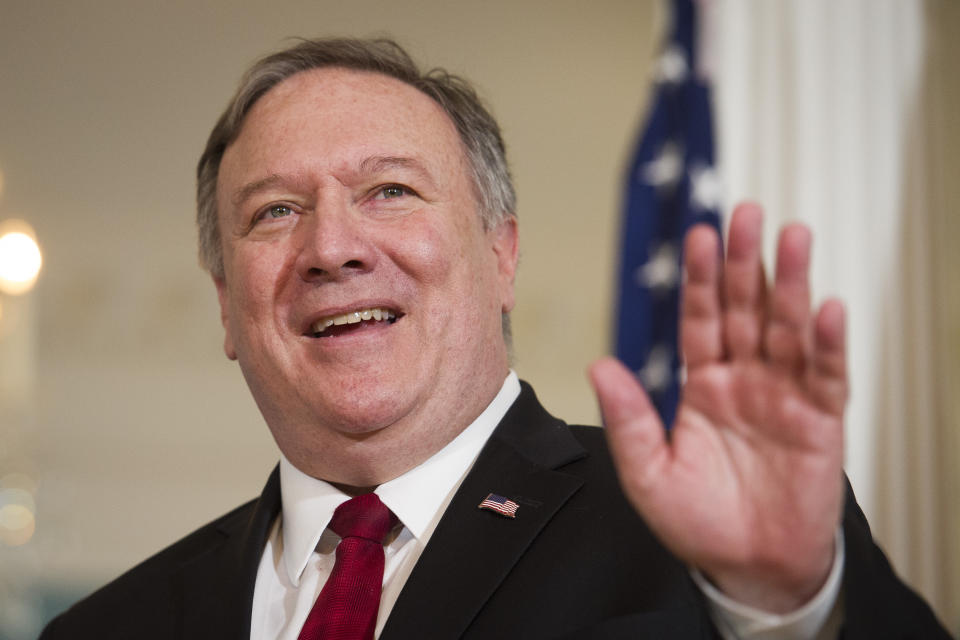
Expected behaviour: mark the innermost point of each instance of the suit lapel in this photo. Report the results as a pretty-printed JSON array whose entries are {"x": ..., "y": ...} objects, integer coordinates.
[
  {"x": 217, "y": 586},
  {"x": 472, "y": 550}
]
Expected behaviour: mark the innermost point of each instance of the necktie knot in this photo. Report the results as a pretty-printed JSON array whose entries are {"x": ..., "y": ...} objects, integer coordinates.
[{"x": 363, "y": 516}]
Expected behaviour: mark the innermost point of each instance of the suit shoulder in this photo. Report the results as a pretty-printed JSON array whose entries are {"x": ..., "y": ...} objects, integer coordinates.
[
  {"x": 194, "y": 544},
  {"x": 591, "y": 437},
  {"x": 144, "y": 590}
]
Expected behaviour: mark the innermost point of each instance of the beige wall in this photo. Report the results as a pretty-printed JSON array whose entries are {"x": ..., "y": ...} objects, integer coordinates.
[{"x": 140, "y": 429}]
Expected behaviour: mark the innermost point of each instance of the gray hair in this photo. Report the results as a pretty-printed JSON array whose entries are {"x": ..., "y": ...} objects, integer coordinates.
[{"x": 479, "y": 132}]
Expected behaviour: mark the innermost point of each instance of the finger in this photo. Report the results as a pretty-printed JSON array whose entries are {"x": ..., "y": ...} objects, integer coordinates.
[
  {"x": 637, "y": 439},
  {"x": 787, "y": 332},
  {"x": 700, "y": 321},
  {"x": 827, "y": 372},
  {"x": 744, "y": 283}
]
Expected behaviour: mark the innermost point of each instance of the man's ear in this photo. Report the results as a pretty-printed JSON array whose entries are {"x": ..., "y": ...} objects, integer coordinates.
[
  {"x": 223, "y": 295},
  {"x": 505, "y": 246}
]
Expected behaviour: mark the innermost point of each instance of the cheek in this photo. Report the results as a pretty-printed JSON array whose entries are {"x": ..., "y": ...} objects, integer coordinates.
[
  {"x": 455, "y": 265},
  {"x": 253, "y": 278},
  {"x": 426, "y": 253}
]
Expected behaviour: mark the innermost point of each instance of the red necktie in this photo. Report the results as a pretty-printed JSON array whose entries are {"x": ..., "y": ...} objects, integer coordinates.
[{"x": 346, "y": 608}]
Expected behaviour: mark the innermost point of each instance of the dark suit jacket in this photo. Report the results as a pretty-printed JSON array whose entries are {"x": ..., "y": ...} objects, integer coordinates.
[{"x": 575, "y": 562}]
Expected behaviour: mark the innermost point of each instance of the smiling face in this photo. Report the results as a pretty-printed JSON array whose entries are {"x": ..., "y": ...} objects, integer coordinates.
[{"x": 362, "y": 296}]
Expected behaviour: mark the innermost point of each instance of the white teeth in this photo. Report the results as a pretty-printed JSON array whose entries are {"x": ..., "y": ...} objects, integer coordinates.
[{"x": 353, "y": 317}]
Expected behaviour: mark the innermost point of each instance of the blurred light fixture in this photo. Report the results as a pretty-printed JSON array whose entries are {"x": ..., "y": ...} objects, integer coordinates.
[
  {"x": 20, "y": 258},
  {"x": 17, "y": 524},
  {"x": 17, "y": 509}
]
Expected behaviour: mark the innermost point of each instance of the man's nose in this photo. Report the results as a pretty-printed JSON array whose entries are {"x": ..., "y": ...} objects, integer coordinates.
[{"x": 333, "y": 243}]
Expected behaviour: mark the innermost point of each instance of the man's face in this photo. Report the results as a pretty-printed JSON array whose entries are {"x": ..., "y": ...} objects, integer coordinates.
[{"x": 349, "y": 193}]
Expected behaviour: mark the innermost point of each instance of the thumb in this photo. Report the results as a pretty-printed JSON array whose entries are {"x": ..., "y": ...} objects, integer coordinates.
[{"x": 634, "y": 430}]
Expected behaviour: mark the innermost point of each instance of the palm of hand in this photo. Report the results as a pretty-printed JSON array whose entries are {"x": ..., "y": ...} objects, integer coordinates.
[{"x": 748, "y": 488}]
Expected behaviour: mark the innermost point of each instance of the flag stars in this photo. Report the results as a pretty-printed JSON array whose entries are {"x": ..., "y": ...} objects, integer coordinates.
[
  {"x": 671, "y": 186},
  {"x": 666, "y": 169},
  {"x": 657, "y": 373},
  {"x": 672, "y": 67},
  {"x": 706, "y": 189},
  {"x": 661, "y": 271}
]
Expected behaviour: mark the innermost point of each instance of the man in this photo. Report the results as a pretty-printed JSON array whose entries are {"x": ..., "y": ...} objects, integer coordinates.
[{"x": 359, "y": 223}]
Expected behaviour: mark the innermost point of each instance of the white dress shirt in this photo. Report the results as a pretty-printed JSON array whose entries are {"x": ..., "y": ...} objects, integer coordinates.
[{"x": 299, "y": 554}]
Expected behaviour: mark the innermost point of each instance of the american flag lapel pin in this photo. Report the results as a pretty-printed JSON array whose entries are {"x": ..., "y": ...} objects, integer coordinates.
[{"x": 499, "y": 504}]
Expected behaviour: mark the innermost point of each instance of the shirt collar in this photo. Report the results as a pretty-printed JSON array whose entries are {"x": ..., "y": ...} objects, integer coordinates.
[{"x": 416, "y": 497}]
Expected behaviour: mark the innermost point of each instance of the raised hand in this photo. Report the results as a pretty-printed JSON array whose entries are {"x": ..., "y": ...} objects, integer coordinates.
[{"x": 748, "y": 487}]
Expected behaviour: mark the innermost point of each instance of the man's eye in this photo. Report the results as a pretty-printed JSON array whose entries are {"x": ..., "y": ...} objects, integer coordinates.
[
  {"x": 277, "y": 211},
  {"x": 392, "y": 191}
]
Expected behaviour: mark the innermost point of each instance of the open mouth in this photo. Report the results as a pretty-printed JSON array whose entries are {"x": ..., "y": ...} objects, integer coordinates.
[{"x": 350, "y": 322}]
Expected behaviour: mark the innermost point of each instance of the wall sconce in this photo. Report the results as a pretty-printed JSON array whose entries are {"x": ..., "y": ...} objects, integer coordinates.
[{"x": 20, "y": 257}]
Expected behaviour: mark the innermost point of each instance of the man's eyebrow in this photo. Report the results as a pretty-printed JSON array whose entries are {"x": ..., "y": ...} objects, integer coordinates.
[
  {"x": 243, "y": 193},
  {"x": 367, "y": 166},
  {"x": 377, "y": 164}
]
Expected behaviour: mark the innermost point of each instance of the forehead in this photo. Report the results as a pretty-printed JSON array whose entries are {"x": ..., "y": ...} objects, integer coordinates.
[{"x": 330, "y": 119}]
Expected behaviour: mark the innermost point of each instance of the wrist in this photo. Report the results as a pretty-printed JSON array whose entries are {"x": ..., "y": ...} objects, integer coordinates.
[
  {"x": 821, "y": 617},
  {"x": 775, "y": 589}
]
